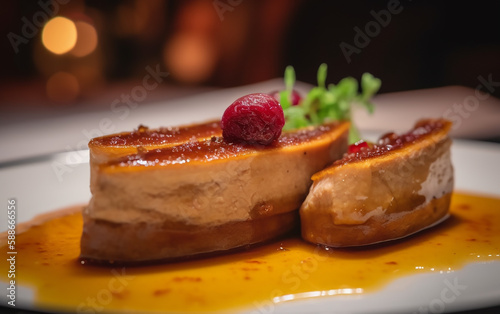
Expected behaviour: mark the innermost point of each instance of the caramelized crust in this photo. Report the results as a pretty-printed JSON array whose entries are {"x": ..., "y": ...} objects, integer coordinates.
[
  {"x": 106, "y": 148},
  {"x": 399, "y": 186},
  {"x": 203, "y": 151}
]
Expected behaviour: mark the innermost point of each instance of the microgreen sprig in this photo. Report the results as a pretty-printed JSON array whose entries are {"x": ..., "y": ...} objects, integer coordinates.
[{"x": 328, "y": 103}]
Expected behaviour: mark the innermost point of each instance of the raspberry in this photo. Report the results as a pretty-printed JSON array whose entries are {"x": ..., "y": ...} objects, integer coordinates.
[{"x": 253, "y": 119}]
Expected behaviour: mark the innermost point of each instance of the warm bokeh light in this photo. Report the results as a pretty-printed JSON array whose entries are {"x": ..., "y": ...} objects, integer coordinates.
[
  {"x": 86, "y": 39},
  {"x": 62, "y": 87},
  {"x": 190, "y": 57},
  {"x": 59, "y": 35}
]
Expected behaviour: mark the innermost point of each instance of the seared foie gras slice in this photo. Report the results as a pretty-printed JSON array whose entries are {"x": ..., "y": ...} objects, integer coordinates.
[
  {"x": 106, "y": 148},
  {"x": 203, "y": 196},
  {"x": 397, "y": 187}
]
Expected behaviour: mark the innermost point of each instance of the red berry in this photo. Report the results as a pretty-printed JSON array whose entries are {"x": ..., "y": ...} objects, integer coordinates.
[
  {"x": 254, "y": 118},
  {"x": 356, "y": 147},
  {"x": 295, "y": 97}
]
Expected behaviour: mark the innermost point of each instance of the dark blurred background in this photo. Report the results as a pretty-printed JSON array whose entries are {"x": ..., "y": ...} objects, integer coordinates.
[{"x": 102, "y": 48}]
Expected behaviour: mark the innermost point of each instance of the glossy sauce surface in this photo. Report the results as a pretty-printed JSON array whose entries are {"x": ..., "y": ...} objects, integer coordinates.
[{"x": 47, "y": 261}]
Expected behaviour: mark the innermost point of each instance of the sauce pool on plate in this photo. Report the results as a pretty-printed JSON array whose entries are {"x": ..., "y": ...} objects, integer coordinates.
[{"x": 47, "y": 262}]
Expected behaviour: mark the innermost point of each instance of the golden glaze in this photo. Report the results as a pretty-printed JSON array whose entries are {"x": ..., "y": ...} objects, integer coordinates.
[
  {"x": 48, "y": 263},
  {"x": 109, "y": 147},
  {"x": 144, "y": 136},
  {"x": 216, "y": 148},
  {"x": 424, "y": 132}
]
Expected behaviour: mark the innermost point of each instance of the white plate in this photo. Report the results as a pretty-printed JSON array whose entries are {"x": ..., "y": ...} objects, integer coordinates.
[
  {"x": 37, "y": 190},
  {"x": 61, "y": 180}
]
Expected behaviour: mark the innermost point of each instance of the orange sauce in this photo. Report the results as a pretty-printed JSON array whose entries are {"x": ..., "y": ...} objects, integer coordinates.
[{"x": 47, "y": 261}]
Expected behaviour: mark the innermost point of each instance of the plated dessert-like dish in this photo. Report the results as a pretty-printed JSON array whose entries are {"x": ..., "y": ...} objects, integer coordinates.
[
  {"x": 163, "y": 194},
  {"x": 147, "y": 186}
]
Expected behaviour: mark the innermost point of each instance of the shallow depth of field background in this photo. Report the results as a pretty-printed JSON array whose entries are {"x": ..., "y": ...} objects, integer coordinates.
[{"x": 59, "y": 56}]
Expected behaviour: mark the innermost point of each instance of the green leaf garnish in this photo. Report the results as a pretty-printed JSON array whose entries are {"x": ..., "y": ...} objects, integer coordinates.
[
  {"x": 289, "y": 78},
  {"x": 323, "y": 104},
  {"x": 285, "y": 95},
  {"x": 322, "y": 70}
]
